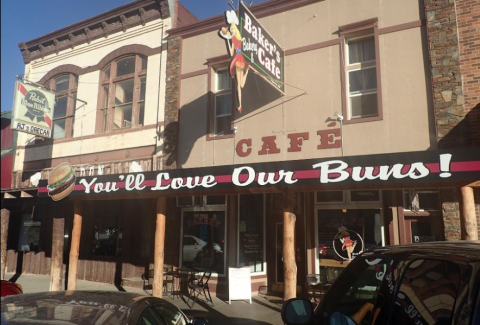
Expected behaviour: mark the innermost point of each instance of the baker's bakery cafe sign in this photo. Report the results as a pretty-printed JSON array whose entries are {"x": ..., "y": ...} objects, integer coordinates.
[{"x": 457, "y": 165}]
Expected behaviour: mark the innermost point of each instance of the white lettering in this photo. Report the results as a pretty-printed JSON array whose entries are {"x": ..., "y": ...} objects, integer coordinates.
[
  {"x": 325, "y": 171},
  {"x": 87, "y": 185},
  {"x": 236, "y": 176},
  {"x": 158, "y": 184}
]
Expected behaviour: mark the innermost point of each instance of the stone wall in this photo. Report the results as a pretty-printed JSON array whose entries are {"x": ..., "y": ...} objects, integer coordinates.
[
  {"x": 445, "y": 69},
  {"x": 170, "y": 141},
  {"x": 468, "y": 22},
  {"x": 451, "y": 214}
]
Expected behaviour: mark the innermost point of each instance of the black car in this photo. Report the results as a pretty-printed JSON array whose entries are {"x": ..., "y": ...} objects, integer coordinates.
[
  {"x": 420, "y": 284},
  {"x": 92, "y": 307}
]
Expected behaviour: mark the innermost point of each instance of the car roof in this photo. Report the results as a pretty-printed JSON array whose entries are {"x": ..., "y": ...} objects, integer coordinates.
[
  {"x": 17, "y": 309},
  {"x": 467, "y": 249}
]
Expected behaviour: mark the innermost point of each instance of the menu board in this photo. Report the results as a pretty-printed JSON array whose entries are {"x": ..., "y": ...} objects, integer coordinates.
[{"x": 239, "y": 284}]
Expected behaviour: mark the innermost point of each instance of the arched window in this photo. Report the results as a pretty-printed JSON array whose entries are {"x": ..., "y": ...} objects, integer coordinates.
[
  {"x": 122, "y": 93},
  {"x": 65, "y": 86}
]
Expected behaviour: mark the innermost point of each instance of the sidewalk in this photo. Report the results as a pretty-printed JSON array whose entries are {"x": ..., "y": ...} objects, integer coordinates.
[{"x": 262, "y": 311}]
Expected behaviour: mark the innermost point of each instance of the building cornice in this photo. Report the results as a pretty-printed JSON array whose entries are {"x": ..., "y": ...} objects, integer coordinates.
[
  {"x": 260, "y": 10},
  {"x": 119, "y": 19}
]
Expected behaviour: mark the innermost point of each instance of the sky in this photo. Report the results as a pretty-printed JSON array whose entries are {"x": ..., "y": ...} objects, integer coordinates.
[{"x": 29, "y": 19}]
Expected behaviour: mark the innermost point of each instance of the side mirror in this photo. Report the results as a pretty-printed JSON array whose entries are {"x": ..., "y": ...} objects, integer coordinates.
[
  {"x": 199, "y": 321},
  {"x": 297, "y": 311}
]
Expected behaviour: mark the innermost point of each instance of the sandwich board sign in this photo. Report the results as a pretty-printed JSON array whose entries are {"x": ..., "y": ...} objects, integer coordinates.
[
  {"x": 239, "y": 284},
  {"x": 33, "y": 110}
]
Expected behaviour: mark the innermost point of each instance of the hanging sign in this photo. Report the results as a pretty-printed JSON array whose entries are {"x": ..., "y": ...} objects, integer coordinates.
[
  {"x": 251, "y": 47},
  {"x": 33, "y": 110},
  {"x": 348, "y": 244}
]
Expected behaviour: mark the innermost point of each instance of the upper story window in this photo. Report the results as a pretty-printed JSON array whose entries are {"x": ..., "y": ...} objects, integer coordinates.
[
  {"x": 361, "y": 73},
  {"x": 65, "y": 87},
  {"x": 122, "y": 93},
  {"x": 223, "y": 103}
]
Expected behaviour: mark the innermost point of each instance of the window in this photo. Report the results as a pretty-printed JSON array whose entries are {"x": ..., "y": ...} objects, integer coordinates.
[
  {"x": 122, "y": 93},
  {"x": 348, "y": 197},
  {"x": 358, "y": 290},
  {"x": 170, "y": 314},
  {"x": 149, "y": 317},
  {"x": 425, "y": 200},
  {"x": 65, "y": 87},
  {"x": 361, "y": 72},
  {"x": 222, "y": 104},
  {"x": 251, "y": 232},
  {"x": 29, "y": 235},
  {"x": 362, "y": 77},
  {"x": 427, "y": 294},
  {"x": 107, "y": 236},
  {"x": 203, "y": 243}
]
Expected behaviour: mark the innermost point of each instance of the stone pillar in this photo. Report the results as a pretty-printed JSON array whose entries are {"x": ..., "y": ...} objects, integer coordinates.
[
  {"x": 451, "y": 214},
  {"x": 5, "y": 222},
  {"x": 469, "y": 219},
  {"x": 172, "y": 101},
  {"x": 445, "y": 69}
]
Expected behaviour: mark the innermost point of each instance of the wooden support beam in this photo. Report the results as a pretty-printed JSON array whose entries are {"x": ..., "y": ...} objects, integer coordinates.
[
  {"x": 56, "y": 269},
  {"x": 159, "y": 248},
  {"x": 468, "y": 217},
  {"x": 5, "y": 222},
  {"x": 75, "y": 245},
  {"x": 289, "y": 264}
]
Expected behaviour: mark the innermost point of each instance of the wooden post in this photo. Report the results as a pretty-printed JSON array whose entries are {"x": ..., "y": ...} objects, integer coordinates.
[
  {"x": 468, "y": 217},
  {"x": 56, "y": 271},
  {"x": 5, "y": 221},
  {"x": 75, "y": 245},
  {"x": 159, "y": 248},
  {"x": 289, "y": 264}
]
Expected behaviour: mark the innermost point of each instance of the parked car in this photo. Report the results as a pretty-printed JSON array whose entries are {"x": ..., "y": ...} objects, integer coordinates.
[
  {"x": 193, "y": 245},
  {"x": 92, "y": 307},
  {"x": 9, "y": 288},
  {"x": 419, "y": 284}
]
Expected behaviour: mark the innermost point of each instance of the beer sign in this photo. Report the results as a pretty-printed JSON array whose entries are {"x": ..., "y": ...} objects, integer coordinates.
[{"x": 33, "y": 110}]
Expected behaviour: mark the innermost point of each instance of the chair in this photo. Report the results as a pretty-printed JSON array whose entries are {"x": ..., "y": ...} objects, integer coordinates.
[
  {"x": 198, "y": 287},
  {"x": 167, "y": 279},
  {"x": 317, "y": 285}
]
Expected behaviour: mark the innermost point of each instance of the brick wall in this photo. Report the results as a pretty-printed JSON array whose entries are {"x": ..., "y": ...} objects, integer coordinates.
[
  {"x": 451, "y": 214},
  {"x": 468, "y": 22},
  {"x": 170, "y": 141}
]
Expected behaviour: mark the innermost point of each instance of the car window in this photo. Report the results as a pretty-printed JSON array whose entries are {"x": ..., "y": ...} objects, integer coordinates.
[
  {"x": 355, "y": 294},
  {"x": 148, "y": 317},
  {"x": 170, "y": 314},
  {"x": 427, "y": 293}
]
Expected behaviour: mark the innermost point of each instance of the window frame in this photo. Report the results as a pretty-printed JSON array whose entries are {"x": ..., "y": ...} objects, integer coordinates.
[
  {"x": 264, "y": 212},
  {"x": 106, "y": 115},
  {"x": 218, "y": 64},
  {"x": 355, "y": 31},
  {"x": 70, "y": 94},
  {"x": 209, "y": 208}
]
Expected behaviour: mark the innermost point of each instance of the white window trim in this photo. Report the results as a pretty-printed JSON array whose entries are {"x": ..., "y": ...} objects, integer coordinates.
[
  {"x": 355, "y": 67},
  {"x": 211, "y": 208},
  {"x": 264, "y": 272}
]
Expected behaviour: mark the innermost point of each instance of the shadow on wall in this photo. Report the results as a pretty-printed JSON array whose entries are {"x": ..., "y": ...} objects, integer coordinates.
[
  {"x": 258, "y": 96},
  {"x": 465, "y": 133}
]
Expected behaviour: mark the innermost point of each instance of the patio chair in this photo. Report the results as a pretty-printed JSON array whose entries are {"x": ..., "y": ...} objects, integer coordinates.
[
  {"x": 317, "y": 285},
  {"x": 167, "y": 279},
  {"x": 200, "y": 287}
]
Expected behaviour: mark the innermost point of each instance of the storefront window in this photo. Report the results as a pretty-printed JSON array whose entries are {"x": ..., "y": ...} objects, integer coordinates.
[
  {"x": 251, "y": 232},
  {"x": 203, "y": 242},
  {"x": 427, "y": 200},
  {"x": 29, "y": 236},
  {"x": 366, "y": 223},
  {"x": 107, "y": 239}
]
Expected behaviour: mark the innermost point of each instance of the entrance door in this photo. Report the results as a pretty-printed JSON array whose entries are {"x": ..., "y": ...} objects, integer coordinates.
[
  {"x": 423, "y": 229},
  {"x": 279, "y": 253}
]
